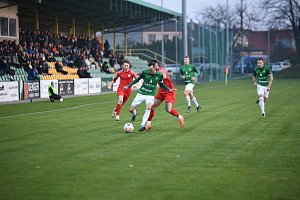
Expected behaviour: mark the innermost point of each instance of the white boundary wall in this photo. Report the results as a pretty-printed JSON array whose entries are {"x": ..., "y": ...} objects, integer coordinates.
[{"x": 10, "y": 91}]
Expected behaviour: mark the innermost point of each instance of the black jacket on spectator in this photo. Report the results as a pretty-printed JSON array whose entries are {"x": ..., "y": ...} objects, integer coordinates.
[
  {"x": 83, "y": 73},
  {"x": 59, "y": 68}
]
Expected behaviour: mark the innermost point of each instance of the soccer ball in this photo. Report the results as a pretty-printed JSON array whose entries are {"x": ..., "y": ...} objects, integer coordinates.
[
  {"x": 128, "y": 128},
  {"x": 61, "y": 100}
]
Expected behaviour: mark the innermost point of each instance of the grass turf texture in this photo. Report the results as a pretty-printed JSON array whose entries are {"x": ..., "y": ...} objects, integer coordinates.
[{"x": 75, "y": 150}]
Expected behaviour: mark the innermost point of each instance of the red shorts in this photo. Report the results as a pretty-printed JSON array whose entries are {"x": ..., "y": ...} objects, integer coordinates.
[
  {"x": 167, "y": 96},
  {"x": 125, "y": 94}
]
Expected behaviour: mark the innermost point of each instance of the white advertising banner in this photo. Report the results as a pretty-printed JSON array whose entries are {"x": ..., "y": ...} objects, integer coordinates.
[
  {"x": 81, "y": 86},
  {"x": 13, "y": 91},
  {"x": 94, "y": 85},
  {"x": 3, "y": 91},
  {"x": 45, "y": 85},
  {"x": 9, "y": 91}
]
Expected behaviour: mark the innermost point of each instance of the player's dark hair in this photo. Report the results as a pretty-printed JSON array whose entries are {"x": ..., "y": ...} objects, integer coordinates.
[
  {"x": 125, "y": 61},
  {"x": 260, "y": 59},
  {"x": 151, "y": 63}
]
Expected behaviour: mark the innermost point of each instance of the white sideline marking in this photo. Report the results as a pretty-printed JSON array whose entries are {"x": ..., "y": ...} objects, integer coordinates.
[{"x": 57, "y": 110}]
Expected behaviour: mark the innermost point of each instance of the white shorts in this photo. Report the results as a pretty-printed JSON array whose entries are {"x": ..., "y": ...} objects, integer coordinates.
[
  {"x": 262, "y": 90},
  {"x": 189, "y": 87},
  {"x": 139, "y": 98}
]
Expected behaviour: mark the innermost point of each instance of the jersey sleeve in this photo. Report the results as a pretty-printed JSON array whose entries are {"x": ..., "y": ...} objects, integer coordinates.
[
  {"x": 195, "y": 69},
  {"x": 181, "y": 72},
  {"x": 137, "y": 79},
  {"x": 268, "y": 71},
  {"x": 116, "y": 76},
  {"x": 254, "y": 72},
  {"x": 133, "y": 74}
]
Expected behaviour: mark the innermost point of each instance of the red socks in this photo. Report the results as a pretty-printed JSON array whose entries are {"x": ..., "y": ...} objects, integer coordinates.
[
  {"x": 118, "y": 109},
  {"x": 174, "y": 112}
]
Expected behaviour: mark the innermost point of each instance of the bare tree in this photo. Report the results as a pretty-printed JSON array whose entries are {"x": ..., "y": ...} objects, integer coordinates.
[
  {"x": 240, "y": 17},
  {"x": 216, "y": 16},
  {"x": 284, "y": 14}
]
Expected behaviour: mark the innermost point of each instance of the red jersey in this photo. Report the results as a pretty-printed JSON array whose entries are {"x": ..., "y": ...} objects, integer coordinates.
[
  {"x": 167, "y": 80},
  {"x": 125, "y": 78}
]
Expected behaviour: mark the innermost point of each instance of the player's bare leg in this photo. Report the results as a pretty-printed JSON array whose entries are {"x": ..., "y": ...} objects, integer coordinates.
[{"x": 134, "y": 112}]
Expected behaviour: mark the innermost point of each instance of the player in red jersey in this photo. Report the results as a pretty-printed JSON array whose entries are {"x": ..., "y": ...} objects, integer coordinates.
[
  {"x": 126, "y": 76},
  {"x": 165, "y": 95}
]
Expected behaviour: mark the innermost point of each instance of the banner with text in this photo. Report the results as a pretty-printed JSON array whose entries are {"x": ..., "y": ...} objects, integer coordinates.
[
  {"x": 94, "y": 85},
  {"x": 9, "y": 91},
  {"x": 81, "y": 86},
  {"x": 33, "y": 89}
]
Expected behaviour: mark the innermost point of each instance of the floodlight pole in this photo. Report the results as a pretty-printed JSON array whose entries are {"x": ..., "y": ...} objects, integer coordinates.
[
  {"x": 227, "y": 35},
  {"x": 184, "y": 26},
  {"x": 162, "y": 37}
]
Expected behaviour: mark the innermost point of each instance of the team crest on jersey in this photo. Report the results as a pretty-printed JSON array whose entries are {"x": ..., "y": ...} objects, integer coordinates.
[{"x": 129, "y": 75}]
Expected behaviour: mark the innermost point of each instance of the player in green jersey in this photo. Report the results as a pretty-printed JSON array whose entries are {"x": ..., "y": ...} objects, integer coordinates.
[
  {"x": 147, "y": 91},
  {"x": 187, "y": 73},
  {"x": 262, "y": 79}
]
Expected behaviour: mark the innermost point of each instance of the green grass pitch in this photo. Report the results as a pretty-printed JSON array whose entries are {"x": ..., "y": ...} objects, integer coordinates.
[{"x": 75, "y": 150}]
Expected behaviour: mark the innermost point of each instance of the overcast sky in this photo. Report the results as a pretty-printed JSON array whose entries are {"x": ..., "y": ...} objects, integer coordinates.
[{"x": 193, "y": 6}]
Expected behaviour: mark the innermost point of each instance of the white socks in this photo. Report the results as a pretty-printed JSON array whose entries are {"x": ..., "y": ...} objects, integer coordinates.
[
  {"x": 134, "y": 112},
  {"x": 195, "y": 102},
  {"x": 145, "y": 117},
  {"x": 188, "y": 100},
  {"x": 262, "y": 104}
]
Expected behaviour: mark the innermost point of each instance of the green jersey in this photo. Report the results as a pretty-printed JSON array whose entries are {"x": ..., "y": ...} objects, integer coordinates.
[
  {"x": 262, "y": 75},
  {"x": 150, "y": 82},
  {"x": 188, "y": 71}
]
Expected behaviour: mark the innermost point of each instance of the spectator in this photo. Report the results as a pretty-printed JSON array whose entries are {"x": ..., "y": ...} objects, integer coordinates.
[
  {"x": 105, "y": 68},
  {"x": 59, "y": 68},
  {"x": 83, "y": 73},
  {"x": 106, "y": 49},
  {"x": 5, "y": 68},
  {"x": 32, "y": 73},
  {"x": 15, "y": 60}
]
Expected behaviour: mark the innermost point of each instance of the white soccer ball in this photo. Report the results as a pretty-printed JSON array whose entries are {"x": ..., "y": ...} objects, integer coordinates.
[
  {"x": 128, "y": 128},
  {"x": 61, "y": 100}
]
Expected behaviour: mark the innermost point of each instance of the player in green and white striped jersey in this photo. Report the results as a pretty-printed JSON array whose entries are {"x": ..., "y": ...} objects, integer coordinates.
[{"x": 151, "y": 78}]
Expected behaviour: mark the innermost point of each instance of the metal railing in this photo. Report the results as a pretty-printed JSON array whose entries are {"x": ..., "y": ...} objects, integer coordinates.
[{"x": 146, "y": 54}]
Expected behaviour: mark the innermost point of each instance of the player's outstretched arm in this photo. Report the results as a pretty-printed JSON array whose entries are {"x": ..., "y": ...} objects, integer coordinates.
[{"x": 161, "y": 84}]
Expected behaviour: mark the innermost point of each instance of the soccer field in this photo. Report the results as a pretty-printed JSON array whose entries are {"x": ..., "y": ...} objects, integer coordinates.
[{"x": 75, "y": 150}]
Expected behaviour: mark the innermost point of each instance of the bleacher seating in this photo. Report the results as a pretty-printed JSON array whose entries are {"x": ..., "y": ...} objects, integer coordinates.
[
  {"x": 138, "y": 65},
  {"x": 54, "y": 75}
]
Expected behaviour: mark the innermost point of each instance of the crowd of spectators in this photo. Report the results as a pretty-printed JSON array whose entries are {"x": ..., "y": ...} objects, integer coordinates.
[{"x": 37, "y": 48}]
